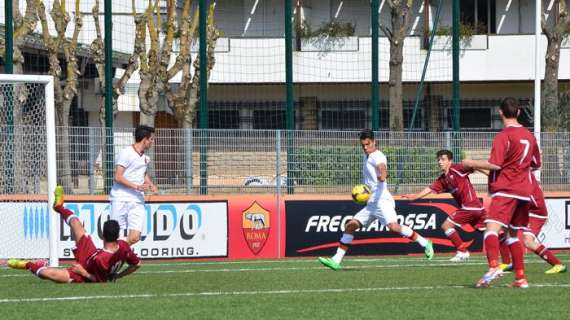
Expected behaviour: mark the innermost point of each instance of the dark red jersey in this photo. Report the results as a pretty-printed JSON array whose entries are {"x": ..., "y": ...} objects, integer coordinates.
[
  {"x": 537, "y": 203},
  {"x": 104, "y": 265},
  {"x": 514, "y": 150},
  {"x": 456, "y": 181}
]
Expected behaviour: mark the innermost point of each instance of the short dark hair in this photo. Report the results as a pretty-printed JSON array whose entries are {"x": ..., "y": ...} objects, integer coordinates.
[
  {"x": 366, "y": 134},
  {"x": 142, "y": 132},
  {"x": 445, "y": 152},
  {"x": 111, "y": 230},
  {"x": 510, "y": 107}
]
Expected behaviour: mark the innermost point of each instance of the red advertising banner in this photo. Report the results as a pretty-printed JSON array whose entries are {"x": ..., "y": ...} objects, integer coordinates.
[{"x": 255, "y": 226}]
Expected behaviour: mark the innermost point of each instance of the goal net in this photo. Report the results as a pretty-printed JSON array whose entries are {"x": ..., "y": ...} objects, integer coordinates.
[{"x": 28, "y": 226}]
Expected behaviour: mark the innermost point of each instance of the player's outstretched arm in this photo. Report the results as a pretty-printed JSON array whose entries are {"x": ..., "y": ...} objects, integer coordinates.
[
  {"x": 419, "y": 195},
  {"x": 483, "y": 171},
  {"x": 479, "y": 164}
]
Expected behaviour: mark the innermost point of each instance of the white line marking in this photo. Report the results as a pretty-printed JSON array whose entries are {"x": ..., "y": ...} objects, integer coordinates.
[
  {"x": 315, "y": 267},
  {"x": 312, "y": 260},
  {"x": 256, "y": 292}
]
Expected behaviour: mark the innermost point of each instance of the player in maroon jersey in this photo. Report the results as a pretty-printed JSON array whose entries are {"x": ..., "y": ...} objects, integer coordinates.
[
  {"x": 510, "y": 187},
  {"x": 455, "y": 180},
  {"x": 93, "y": 265}
]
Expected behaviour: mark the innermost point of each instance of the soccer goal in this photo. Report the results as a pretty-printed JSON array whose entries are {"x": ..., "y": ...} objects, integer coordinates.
[{"x": 29, "y": 227}]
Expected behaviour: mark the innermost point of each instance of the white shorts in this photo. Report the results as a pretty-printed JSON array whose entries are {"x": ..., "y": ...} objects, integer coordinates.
[
  {"x": 383, "y": 210},
  {"x": 130, "y": 215}
]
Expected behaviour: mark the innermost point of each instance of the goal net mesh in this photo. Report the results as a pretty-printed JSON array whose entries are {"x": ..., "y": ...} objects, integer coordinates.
[{"x": 24, "y": 214}]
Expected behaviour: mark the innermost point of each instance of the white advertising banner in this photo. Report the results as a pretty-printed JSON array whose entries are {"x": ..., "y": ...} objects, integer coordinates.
[
  {"x": 555, "y": 233},
  {"x": 24, "y": 230},
  {"x": 170, "y": 230}
]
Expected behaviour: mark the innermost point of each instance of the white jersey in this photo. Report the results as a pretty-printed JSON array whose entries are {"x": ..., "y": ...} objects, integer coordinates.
[
  {"x": 370, "y": 173},
  {"x": 135, "y": 165}
]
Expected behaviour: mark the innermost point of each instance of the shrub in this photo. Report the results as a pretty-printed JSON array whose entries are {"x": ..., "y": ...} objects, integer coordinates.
[{"x": 342, "y": 165}]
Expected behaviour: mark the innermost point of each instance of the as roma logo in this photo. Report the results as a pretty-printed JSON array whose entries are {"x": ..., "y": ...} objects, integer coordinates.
[{"x": 255, "y": 224}]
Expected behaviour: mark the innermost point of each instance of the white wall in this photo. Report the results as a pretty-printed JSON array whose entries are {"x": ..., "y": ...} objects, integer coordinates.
[{"x": 262, "y": 61}]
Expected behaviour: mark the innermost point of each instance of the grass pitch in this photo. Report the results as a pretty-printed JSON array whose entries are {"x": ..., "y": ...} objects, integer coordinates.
[{"x": 367, "y": 288}]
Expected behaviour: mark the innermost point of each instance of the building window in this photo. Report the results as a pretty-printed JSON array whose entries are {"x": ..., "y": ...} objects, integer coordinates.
[
  {"x": 223, "y": 119},
  {"x": 344, "y": 115},
  {"x": 480, "y": 14},
  {"x": 269, "y": 119},
  {"x": 343, "y": 119},
  {"x": 35, "y": 63},
  {"x": 471, "y": 118},
  {"x": 418, "y": 122}
]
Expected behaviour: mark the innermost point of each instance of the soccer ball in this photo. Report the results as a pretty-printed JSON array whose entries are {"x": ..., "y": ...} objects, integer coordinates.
[{"x": 360, "y": 193}]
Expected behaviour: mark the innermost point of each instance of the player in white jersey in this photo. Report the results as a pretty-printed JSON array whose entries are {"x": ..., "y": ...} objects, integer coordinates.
[
  {"x": 380, "y": 206},
  {"x": 130, "y": 182}
]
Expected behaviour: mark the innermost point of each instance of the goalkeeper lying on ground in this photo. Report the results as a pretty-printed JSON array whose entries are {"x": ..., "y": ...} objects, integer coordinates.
[{"x": 93, "y": 265}]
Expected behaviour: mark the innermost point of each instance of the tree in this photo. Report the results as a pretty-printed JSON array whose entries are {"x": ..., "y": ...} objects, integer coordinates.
[
  {"x": 156, "y": 70},
  {"x": 555, "y": 34},
  {"x": 184, "y": 100},
  {"x": 65, "y": 84},
  {"x": 400, "y": 17},
  {"x": 23, "y": 26},
  {"x": 98, "y": 55}
]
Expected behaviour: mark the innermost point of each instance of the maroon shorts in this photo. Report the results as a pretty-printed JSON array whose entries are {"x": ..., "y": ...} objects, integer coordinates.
[
  {"x": 75, "y": 278},
  {"x": 535, "y": 224},
  {"x": 474, "y": 218},
  {"x": 85, "y": 248},
  {"x": 509, "y": 212}
]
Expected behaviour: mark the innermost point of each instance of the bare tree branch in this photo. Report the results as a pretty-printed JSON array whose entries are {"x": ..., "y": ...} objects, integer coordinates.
[
  {"x": 69, "y": 50},
  {"x": 63, "y": 96},
  {"x": 169, "y": 39},
  {"x": 386, "y": 32},
  {"x": 187, "y": 31},
  {"x": 28, "y": 23}
]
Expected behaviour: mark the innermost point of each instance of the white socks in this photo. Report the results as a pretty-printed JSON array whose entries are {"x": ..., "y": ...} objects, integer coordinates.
[
  {"x": 340, "y": 252},
  {"x": 408, "y": 232},
  {"x": 339, "y": 255}
]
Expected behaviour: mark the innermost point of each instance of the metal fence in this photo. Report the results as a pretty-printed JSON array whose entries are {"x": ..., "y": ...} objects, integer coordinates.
[{"x": 301, "y": 162}]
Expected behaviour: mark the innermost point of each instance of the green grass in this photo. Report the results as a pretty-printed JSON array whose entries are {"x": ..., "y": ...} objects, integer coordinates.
[{"x": 367, "y": 288}]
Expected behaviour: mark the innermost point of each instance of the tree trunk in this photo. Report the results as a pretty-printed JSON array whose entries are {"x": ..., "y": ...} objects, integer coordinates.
[
  {"x": 555, "y": 33},
  {"x": 395, "y": 86},
  {"x": 399, "y": 12},
  {"x": 148, "y": 99},
  {"x": 63, "y": 146},
  {"x": 550, "y": 110}
]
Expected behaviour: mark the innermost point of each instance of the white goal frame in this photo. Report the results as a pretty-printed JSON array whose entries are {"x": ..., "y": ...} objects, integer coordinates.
[{"x": 48, "y": 82}]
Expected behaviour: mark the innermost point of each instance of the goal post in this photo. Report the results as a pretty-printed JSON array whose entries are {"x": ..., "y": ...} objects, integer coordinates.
[{"x": 29, "y": 227}]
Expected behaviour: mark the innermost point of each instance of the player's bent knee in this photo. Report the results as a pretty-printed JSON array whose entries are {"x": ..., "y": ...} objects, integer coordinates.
[
  {"x": 446, "y": 225},
  {"x": 352, "y": 225},
  {"x": 529, "y": 240},
  {"x": 394, "y": 227},
  {"x": 133, "y": 238}
]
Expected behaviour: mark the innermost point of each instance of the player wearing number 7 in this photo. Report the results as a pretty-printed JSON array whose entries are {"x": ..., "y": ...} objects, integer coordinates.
[{"x": 510, "y": 188}]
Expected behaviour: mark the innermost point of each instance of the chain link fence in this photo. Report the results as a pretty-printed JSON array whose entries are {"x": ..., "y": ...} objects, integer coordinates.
[{"x": 300, "y": 162}]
